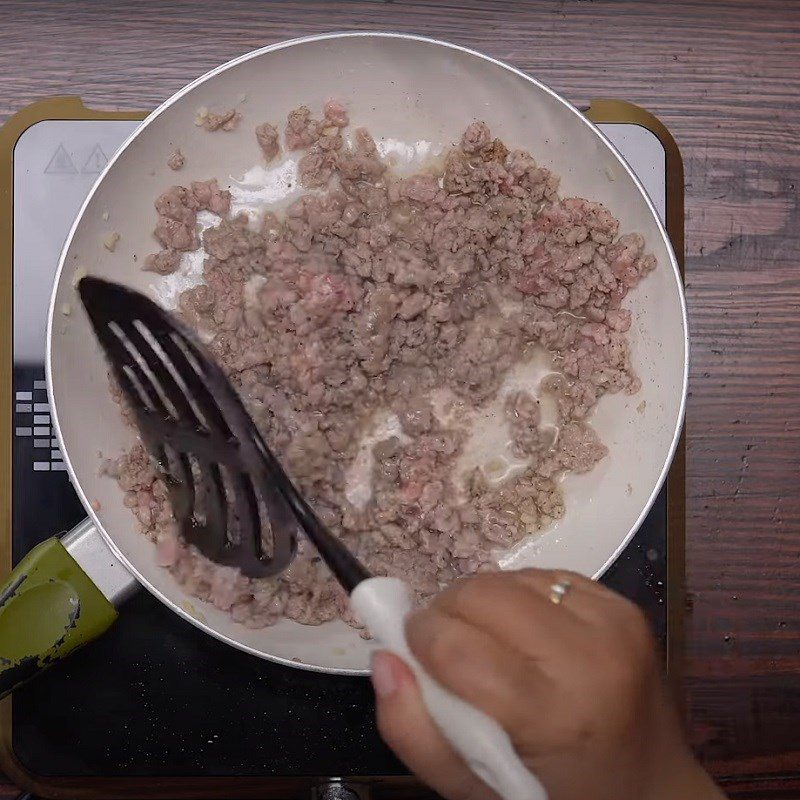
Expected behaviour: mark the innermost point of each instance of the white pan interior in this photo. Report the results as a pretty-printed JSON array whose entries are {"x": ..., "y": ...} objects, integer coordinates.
[{"x": 418, "y": 95}]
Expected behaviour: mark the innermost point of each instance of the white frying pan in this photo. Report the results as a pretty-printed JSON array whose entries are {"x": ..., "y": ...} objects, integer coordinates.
[{"x": 419, "y": 94}]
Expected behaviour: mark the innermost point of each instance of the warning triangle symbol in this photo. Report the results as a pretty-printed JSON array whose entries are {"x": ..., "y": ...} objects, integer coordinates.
[
  {"x": 96, "y": 161},
  {"x": 60, "y": 163}
]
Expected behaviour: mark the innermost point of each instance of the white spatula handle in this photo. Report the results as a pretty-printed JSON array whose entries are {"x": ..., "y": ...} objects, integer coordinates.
[{"x": 382, "y": 604}]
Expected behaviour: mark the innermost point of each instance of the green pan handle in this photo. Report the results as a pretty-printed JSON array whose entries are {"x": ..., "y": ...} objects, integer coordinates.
[{"x": 48, "y": 608}]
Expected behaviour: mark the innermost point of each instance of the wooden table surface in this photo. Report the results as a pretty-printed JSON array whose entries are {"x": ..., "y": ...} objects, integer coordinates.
[{"x": 723, "y": 76}]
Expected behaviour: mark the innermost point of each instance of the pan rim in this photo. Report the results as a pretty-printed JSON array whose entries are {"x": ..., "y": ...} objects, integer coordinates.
[{"x": 168, "y": 601}]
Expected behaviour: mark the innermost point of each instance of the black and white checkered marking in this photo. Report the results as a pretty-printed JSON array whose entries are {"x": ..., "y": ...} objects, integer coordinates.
[{"x": 32, "y": 421}]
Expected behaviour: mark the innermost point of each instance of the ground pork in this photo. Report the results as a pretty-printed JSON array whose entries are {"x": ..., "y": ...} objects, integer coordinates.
[
  {"x": 176, "y": 228},
  {"x": 528, "y": 436},
  {"x": 268, "y": 140},
  {"x": 301, "y": 130},
  {"x": 216, "y": 121},
  {"x": 176, "y": 160},
  {"x": 164, "y": 262},
  {"x": 368, "y": 299}
]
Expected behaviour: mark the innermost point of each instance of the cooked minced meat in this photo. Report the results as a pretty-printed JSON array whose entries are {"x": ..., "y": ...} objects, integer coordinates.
[
  {"x": 216, "y": 121},
  {"x": 268, "y": 140},
  {"x": 528, "y": 436},
  {"x": 165, "y": 262},
  {"x": 302, "y": 131},
  {"x": 372, "y": 300},
  {"x": 176, "y": 161},
  {"x": 176, "y": 229}
]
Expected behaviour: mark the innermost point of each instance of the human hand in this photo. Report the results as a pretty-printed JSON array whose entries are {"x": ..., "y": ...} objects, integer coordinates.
[{"x": 577, "y": 686}]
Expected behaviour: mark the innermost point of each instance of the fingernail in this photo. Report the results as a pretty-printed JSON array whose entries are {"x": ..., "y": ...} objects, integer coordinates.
[{"x": 383, "y": 678}]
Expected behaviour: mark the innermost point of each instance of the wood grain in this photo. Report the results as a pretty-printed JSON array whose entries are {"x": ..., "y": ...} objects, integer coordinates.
[{"x": 723, "y": 77}]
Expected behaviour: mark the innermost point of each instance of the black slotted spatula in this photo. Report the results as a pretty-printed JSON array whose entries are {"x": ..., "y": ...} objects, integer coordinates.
[{"x": 225, "y": 485}]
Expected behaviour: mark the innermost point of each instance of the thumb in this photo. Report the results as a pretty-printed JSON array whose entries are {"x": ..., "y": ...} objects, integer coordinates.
[{"x": 406, "y": 726}]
